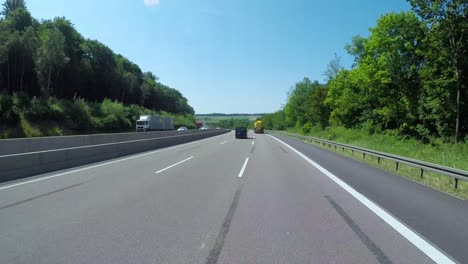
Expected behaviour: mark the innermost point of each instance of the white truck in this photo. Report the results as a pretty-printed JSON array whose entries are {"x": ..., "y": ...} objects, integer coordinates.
[
  {"x": 150, "y": 122},
  {"x": 168, "y": 123}
]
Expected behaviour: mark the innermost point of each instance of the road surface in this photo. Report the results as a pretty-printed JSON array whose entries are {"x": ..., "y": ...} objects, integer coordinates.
[{"x": 222, "y": 200}]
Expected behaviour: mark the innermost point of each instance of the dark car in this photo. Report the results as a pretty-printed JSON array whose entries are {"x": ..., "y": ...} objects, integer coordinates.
[{"x": 241, "y": 132}]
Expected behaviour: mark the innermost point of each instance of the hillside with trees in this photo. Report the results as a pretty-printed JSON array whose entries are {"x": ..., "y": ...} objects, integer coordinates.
[
  {"x": 52, "y": 75},
  {"x": 409, "y": 79}
]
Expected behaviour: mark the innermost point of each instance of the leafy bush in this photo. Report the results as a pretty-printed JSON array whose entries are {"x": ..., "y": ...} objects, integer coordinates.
[
  {"x": 133, "y": 112},
  {"x": 186, "y": 121},
  {"x": 38, "y": 110},
  {"x": 56, "y": 111},
  {"x": 113, "y": 116},
  {"x": 369, "y": 127},
  {"x": 306, "y": 128},
  {"x": 8, "y": 115},
  {"x": 78, "y": 115},
  {"x": 21, "y": 101}
]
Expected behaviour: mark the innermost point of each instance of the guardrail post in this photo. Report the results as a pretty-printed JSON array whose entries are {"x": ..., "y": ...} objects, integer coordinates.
[
  {"x": 335, "y": 148},
  {"x": 363, "y": 155},
  {"x": 352, "y": 152},
  {"x": 343, "y": 149},
  {"x": 329, "y": 146},
  {"x": 422, "y": 173},
  {"x": 456, "y": 183},
  {"x": 397, "y": 166},
  {"x": 378, "y": 160}
]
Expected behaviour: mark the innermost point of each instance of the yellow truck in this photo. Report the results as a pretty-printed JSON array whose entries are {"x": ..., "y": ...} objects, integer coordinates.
[{"x": 258, "y": 126}]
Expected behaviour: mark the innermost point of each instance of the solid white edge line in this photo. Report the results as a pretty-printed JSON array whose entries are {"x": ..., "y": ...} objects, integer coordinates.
[
  {"x": 253, "y": 142},
  {"x": 22, "y": 182},
  {"x": 428, "y": 249},
  {"x": 224, "y": 142},
  {"x": 243, "y": 168},
  {"x": 173, "y": 165}
]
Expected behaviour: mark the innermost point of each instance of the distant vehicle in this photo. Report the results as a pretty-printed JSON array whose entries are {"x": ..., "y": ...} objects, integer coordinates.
[
  {"x": 258, "y": 127},
  {"x": 182, "y": 129},
  {"x": 153, "y": 123},
  {"x": 218, "y": 128},
  {"x": 203, "y": 128},
  {"x": 241, "y": 132},
  {"x": 199, "y": 124}
]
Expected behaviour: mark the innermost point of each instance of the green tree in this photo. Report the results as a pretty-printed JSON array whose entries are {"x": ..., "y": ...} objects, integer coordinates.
[
  {"x": 319, "y": 112},
  {"x": 99, "y": 71},
  {"x": 11, "y": 5},
  {"x": 276, "y": 121},
  {"x": 384, "y": 86},
  {"x": 29, "y": 45},
  {"x": 448, "y": 23},
  {"x": 333, "y": 68},
  {"x": 50, "y": 58},
  {"x": 296, "y": 107},
  {"x": 69, "y": 82},
  {"x": 344, "y": 98},
  {"x": 14, "y": 53}
]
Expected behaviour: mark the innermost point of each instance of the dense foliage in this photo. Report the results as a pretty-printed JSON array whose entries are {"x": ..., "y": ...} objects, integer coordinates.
[
  {"x": 25, "y": 116},
  {"x": 226, "y": 120},
  {"x": 409, "y": 77},
  {"x": 50, "y": 58}
]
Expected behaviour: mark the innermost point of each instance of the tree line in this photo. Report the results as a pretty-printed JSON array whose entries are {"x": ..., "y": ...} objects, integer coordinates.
[
  {"x": 50, "y": 58},
  {"x": 229, "y": 123},
  {"x": 409, "y": 76}
]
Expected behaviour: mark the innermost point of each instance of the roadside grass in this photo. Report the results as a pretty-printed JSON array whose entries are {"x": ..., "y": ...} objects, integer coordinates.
[
  {"x": 452, "y": 155},
  {"x": 40, "y": 128}
]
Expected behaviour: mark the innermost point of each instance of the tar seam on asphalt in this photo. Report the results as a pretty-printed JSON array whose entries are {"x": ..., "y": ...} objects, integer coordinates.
[
  {"x": 283, "y": 149},
  {"x": 40, "y": 196},
  {"x": 219, "y": 243},
  {"x": 252, "y": 150},
  {"x": 189, "y": 149},
  {"x": 378, "y": 253}
]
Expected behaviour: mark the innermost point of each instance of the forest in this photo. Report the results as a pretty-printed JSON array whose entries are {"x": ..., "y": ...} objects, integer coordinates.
[
  {"x": 409, "y": 78},
  {"x": 47, "y": 65}
]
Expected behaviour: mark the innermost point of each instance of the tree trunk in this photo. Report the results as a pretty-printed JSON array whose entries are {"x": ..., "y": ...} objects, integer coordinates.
[
  {"x": 457, "y": 122},
  {"x": 15, "y": 81},
  {"x": 8, "y": 74},
  {"x": 456, "y": 54},
  {"x": 48, "y": 82},
  {"x": 22, "y": 76}
]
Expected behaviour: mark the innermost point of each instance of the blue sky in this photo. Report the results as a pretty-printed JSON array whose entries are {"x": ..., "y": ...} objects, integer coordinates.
[{"x": 225, "y": 55}]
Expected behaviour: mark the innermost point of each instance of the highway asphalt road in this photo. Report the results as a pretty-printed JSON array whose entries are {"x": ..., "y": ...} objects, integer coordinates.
[{"x": 223, "y": 200}]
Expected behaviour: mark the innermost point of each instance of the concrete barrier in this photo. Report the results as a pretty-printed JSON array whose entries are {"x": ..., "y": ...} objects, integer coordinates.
[
  {"x": 23, "y": 145},
  {"x": 22, "y": 165}
]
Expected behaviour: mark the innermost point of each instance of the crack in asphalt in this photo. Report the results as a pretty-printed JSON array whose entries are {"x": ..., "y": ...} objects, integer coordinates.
[
  {"x": 283, "y": 150},
  {"x": 39, "y": 196},
  {"x": 189, "y": 149},
  {"x": 219, "y": 243}
]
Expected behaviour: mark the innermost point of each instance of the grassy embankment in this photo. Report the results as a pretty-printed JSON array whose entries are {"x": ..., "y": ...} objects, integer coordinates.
[{"x": 448, "y": 154}]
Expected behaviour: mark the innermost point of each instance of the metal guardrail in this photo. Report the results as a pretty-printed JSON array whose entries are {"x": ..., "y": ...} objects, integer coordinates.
[{"x": 422, "y": 165}]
